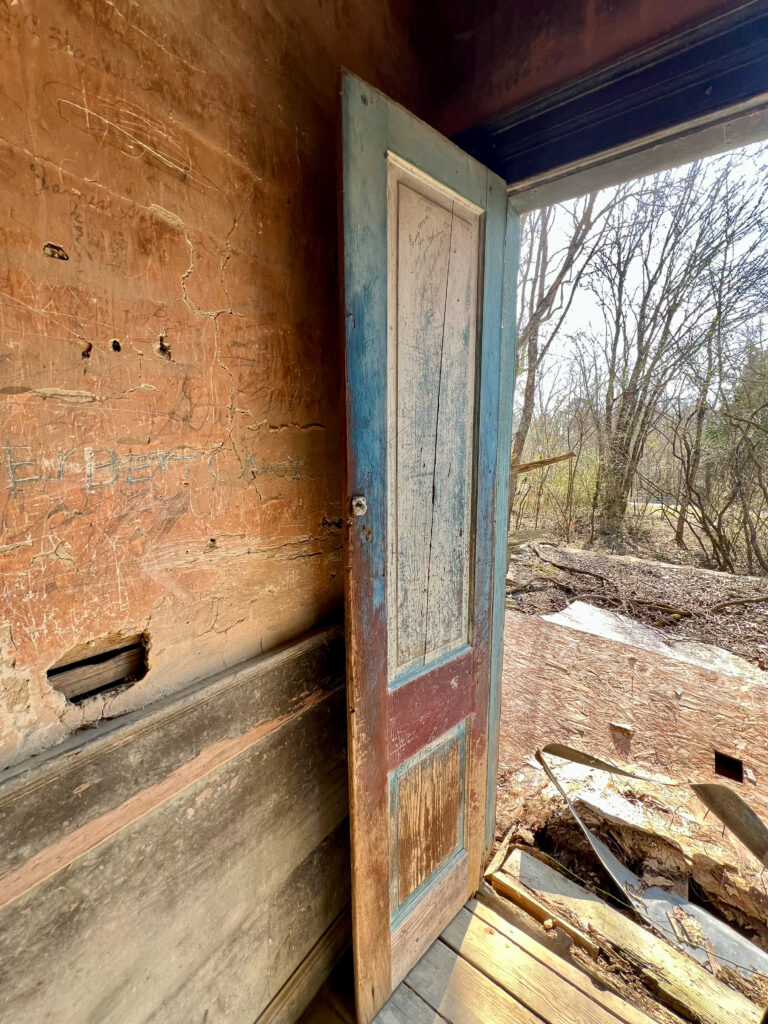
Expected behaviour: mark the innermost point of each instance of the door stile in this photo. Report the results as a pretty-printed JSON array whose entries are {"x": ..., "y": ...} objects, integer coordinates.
[
  {"x": 485, "y": 495},
  {"x": 365, "y": 118},
  {"x": 501, "y": 528}
]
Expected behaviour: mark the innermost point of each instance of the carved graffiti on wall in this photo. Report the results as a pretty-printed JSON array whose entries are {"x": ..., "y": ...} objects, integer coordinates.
[{"x": 97, "y": 468}]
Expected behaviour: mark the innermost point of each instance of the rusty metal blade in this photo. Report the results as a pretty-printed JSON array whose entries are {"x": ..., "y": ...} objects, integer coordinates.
[
  {"x": 737, "y": 815},
  {"x": 579, "y": 757}
]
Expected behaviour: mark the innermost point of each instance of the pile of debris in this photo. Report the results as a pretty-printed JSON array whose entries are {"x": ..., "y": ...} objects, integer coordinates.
[
  {"x": 641, "y": 872},
  {"x": 640, "y": 851},
  {"x": 684, "y": 602}
]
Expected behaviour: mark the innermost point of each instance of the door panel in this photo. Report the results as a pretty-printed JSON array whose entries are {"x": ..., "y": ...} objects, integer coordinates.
[
  {"x": 433, "y": 261},
  {"x": 423, "y": 229}
]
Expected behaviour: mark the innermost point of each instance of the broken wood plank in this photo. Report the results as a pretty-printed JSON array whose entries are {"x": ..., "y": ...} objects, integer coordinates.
[
  {"x": 461, "y": 993},
  {"x": 618, "y": 1006},
  {"x": 82, "y": 678},
  {"x": 524, "y": 898},
  {"x": 555, "y": 939},
  {"x": 543, "y": 991},
  {"x": 678, "y": 980},
  {"x": 501, "y": 854}
]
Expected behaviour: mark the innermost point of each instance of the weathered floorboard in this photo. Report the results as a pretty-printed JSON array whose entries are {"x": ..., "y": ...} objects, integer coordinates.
[
  {"x": 461, "y": 993},
  {"x": 547, "y": 994},
  {"x": 406, "y": 1007},
  {"x": 539, "y": 951},
  {"x": 473, "y": 975}
]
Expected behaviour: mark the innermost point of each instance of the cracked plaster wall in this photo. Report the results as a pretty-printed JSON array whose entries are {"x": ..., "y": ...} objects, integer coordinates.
[{"x": 169, "y": 392}]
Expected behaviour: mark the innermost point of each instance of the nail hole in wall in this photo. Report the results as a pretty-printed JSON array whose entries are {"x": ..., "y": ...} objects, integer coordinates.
[
  {"x": 163, "y": 348},
  {"x": 56, "y": 252}
]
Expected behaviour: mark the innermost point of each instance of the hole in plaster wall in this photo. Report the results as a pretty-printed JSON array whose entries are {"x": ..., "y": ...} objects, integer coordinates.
[
  {"x": 162, "y": 347},
  {"x": 729, "y": 767},
  {"x": 115, "y": 345},
  {"x": 86, "y": 353},
  {"x": 56, "y": 252},
  {"x": 112, "y": 663}
]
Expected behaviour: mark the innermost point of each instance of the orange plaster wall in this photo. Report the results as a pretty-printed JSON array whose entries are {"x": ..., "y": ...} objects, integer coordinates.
[{"x": 182, "y": 153}]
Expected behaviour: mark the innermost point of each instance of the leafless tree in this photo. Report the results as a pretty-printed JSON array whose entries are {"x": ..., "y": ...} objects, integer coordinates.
[
  {"x": 659, "y": 389},
  {"x": 682, "y": 261},
  {"x": 557, "y": 244}
]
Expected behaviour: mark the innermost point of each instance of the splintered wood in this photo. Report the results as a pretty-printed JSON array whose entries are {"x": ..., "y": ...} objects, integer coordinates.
[
  {"x": 667, "y": 830},
  {"x": 679, "y": 980},
  {"x": 484, "y": 969},
  {"x": 673, "y": 713}
]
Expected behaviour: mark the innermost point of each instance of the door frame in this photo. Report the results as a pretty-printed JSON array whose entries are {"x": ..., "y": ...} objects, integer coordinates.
[{"x": 739, "y": 123}]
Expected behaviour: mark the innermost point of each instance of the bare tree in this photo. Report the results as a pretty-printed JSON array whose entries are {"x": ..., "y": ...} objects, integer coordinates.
[
  {"x": 656, "y": 381},
  {"x": 682, "y": 260},
  {"x": 557, "y": 245}
]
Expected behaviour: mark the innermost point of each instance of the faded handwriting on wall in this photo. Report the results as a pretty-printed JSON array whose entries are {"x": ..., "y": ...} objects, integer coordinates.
[{"x": 96, "y": 468}]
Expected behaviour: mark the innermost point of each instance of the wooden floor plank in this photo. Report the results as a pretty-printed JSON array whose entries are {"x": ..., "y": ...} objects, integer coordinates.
[
  {"x": 461, "y": 993},
  {"x": 542, "y": 990},
  {"x": 538, "y": 950},
  {"x": 404, "y": 1006}
]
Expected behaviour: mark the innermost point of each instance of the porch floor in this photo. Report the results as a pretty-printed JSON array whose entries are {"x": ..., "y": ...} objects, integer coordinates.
[{"x": 483, "y": 970}]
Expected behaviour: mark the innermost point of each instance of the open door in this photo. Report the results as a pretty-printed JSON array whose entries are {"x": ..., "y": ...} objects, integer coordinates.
[{"x": 423, "y": 230}]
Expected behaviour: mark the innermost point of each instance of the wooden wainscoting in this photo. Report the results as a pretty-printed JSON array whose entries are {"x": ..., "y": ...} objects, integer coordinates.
[{"x": 184, "y": 862}]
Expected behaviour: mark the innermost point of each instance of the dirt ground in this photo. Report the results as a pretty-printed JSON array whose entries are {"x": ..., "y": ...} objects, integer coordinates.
[{"x": 686, "y": 602}]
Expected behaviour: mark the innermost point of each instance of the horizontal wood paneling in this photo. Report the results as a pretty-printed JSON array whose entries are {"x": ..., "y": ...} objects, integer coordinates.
[
  {"x": 200, "y": 884},
  {"x": 97, "y": 770},
  {"x": 310, "y": 975}
]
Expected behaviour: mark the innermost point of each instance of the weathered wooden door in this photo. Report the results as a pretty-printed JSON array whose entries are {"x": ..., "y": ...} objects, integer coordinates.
[{"x": 423, "y": 261}]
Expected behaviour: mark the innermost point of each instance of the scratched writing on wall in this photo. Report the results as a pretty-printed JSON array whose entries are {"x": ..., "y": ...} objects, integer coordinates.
[{"x": 97, "y": 468}]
